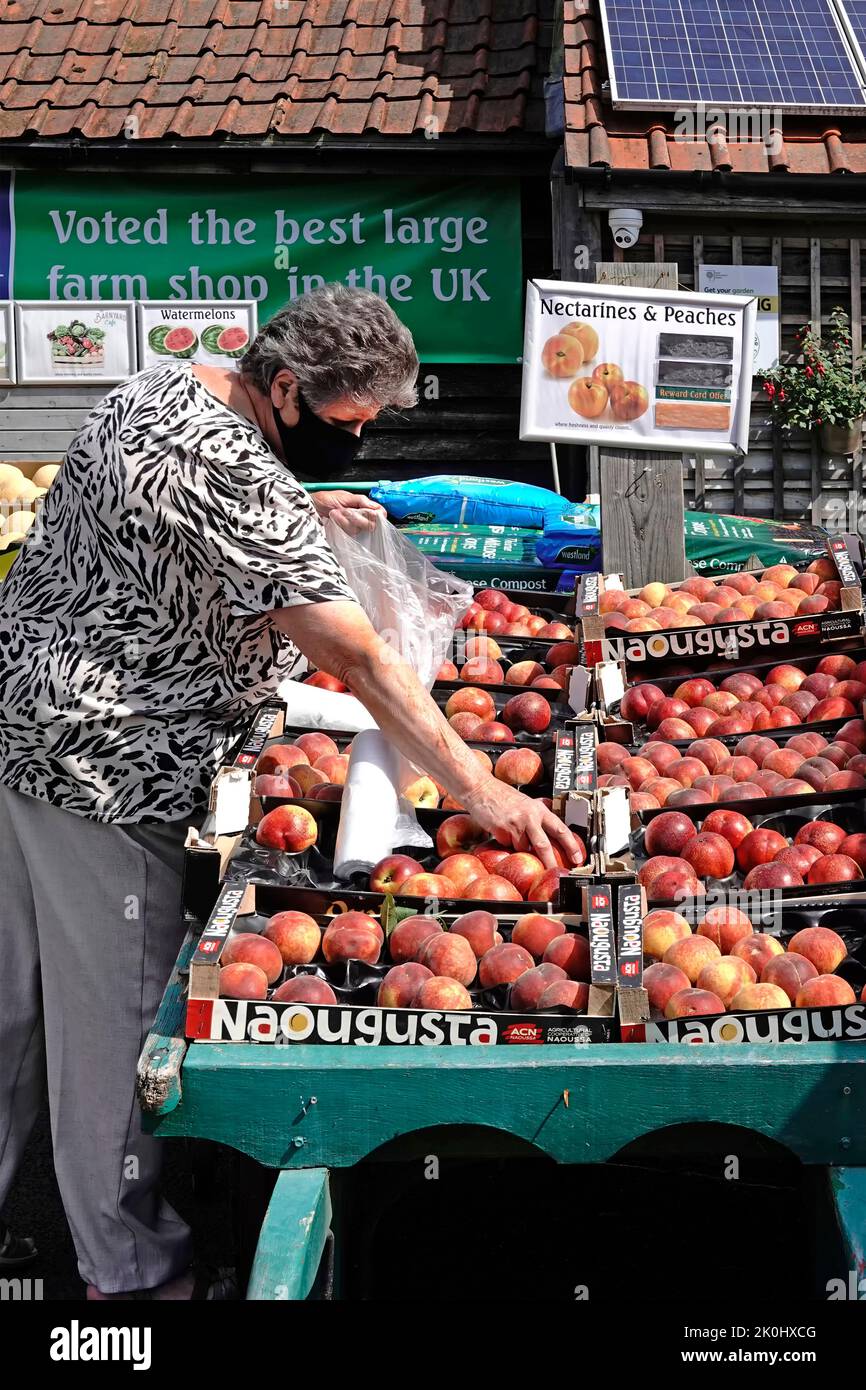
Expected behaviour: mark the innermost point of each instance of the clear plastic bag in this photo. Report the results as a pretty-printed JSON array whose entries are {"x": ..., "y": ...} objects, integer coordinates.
[{"x": 411, "y": 604}]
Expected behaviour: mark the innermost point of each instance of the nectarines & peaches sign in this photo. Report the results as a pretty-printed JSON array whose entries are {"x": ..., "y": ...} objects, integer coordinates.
[{"x": 649, "y": 369}]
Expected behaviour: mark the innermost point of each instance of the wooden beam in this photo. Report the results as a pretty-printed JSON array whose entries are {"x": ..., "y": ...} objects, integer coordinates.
[
  {"x": 731, "y": 204},
  {"x": 293, "y": 1237},
  {"x": 642, "y": 516}
]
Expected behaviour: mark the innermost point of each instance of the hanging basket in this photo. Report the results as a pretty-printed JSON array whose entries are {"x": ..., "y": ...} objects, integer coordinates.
[{"x": 841, "y": 439}]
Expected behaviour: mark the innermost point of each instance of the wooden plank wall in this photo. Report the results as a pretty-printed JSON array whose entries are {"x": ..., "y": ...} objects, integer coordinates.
[{"x": 782, "y": 476}]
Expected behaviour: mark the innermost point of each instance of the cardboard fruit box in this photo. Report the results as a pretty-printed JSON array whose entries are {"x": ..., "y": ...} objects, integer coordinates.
[
  {"x": 845, "y": 917},
  {"x": 627, "y": 841},
  {"x": 694, "y": 647},
  {"x": 352, "y": 1015}
]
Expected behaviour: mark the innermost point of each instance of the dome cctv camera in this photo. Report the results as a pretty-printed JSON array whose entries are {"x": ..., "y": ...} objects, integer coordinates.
[{"x": 625, "y": 224}]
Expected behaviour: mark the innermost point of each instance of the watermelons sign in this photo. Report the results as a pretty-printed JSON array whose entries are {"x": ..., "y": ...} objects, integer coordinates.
[
  {"x": 214, "y": 332},
  {"x": 445, "y": 255}
]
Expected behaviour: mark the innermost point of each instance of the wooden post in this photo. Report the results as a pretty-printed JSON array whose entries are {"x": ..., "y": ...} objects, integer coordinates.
[{"x": 642, "y": 516}]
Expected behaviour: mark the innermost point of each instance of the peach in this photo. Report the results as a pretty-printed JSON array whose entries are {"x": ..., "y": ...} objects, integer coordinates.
[
  {"x": 287, "y": 827},
  {"x": 691, "y": 954},
  {"x": 459, "y": 833},
  {"x": 304, "y": 989},
  {"x": 780, "y": 574},
  {"x": 447, "y": 672},
  {"x": 562, "y": 356},
  {"x": 661, "y": 928},
  {"x": 687, "y": 769},
  {"x": 854, "y": 731},
  {"x": 316, "y": 745},
  {"x": 491, "y": 731},
  {"x": 823, "y": 947},
  {"x": 546, "y": 888},
  {"x": 710, "y": 855},
  {"x": 296, "y": 935},
  {"x": 834, "y": 868},
  {"x": 726, "y": 977},
  {"x": 742, "y": 684},
  {"x": 523, "y": 673},
  {"x": 824, "y": 992},
  {"x": 249, "y": 948},
  {"x": 569, "y": 993},
  {"x": 610, "y": 755},
  {"x": 242, "y": 980},
  {"x": 710, "y": 751},
  {"x": 752, "y": 998},
  {"x": 429, "y": 886},
  {"x": 660, "y": 788},
  {"x": 854, "y": 847},
  {"x": 461, "y": 870},
  {"x": 503, "y": 964},
  {"x": 465, "y": 724},
  {"x": 757, "y": 950},
  {"x": 675, "y": 885},
  {"x": 350, "y": 943},
  {"x": 471, "y": 701},
  {"x": 586, "y": 335},
  {"x": 661, "y": 981},
  {"x": 480, "y": 670},
  {"x": 773, "y": 875},
  {"x": 702, "y": 588},
  {"x": 635, "y": 608},
  {"x": 482, "y": 646},
  {"x": 823, "y": 567},
  {"x": 528, "y": 988},
  {"x": 479, "y": 929},
  {"x": 744, "y": 582},
  {"x": 535, "y": 932},
  {"x": 756, "y": 747},
  {"x": 611, "y": 600},
  {"x": 662, "y": 756},
  {"x": 642, "y": 801},
  {"x": 570, "y": 952},
  {"x": 675, "y": 729},
  {"x": 528, "y": 713},
  {"x": 693, "y": 1003},
  {"x": 739, "y": 723},
  {"x": 442, "y": 993},
  {"x": 519, "y": 767},
  {"x": 713, "y": 788},
  {"x": 410, "y": 935},
  {"x": 725, "y": 925},
  {"x": 759, "y": 847},
  {"x": 845, "y": 782},
  {"x": 800, "y": 857},
  {"x": 392, "y": 871},
  {"x": 809, "y": 744},
  {"x": 819, "y": 685},
  {"x": 562, "y": 654},
  {"x": 401, "y": 984},
  {"x": 277, "y": 758},
  {"x": 668, "y": 707},
  {"x": 720, "y": 702},
  {"x": 825, "y": 835},
  {"x": 450, "y": 955},
  {"x": 636, "y": 701},
  {"x": 309, "y": 779},
  {"x": 669, "y": 833},
  {"x": 694, "y": 690},
  {"x": 277, "y": 786},
  {"x": 832, "y": 708},
  {"x": 789, "y": 971},
  {"x": 638, "y": 770},
  {"x": 521, "y": 869},
  {"x": 831, "y": 590}
]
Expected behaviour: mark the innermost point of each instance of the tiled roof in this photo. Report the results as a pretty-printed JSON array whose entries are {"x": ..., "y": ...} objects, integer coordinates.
[
  {"x": 598, "y": 136},
  {"x": 257, "y": 70}
]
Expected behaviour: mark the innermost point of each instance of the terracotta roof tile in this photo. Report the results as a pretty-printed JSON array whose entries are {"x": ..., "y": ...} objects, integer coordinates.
[
  {"x": 249, "y": 69},
  {"x": 597, "y": 135}
]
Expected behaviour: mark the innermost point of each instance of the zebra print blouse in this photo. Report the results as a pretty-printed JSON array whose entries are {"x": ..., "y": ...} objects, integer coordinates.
[{"x": 133, "y": 629}]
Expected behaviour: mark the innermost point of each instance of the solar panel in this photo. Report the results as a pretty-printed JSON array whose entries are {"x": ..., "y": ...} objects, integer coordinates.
[
  {"x": 778, "y": 53},
  {"x": 855, "y": 13}
]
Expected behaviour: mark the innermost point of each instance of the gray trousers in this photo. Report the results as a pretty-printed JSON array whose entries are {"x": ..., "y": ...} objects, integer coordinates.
[{"x": 90, "y": 925}]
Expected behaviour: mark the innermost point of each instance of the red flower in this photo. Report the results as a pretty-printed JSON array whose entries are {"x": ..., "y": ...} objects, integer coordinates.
[
  {"x": 781, "y": 394},
  {"x": 809, "y": 371}
]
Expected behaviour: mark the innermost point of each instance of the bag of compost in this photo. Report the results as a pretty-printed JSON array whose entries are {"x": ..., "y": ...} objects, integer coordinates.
[{"x": 718, "y": 544}]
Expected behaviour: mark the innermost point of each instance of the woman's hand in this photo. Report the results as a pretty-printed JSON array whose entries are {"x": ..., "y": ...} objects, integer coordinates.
[
  {"x": 352, "y": 511},
  {"x": 518, "y": 820}
]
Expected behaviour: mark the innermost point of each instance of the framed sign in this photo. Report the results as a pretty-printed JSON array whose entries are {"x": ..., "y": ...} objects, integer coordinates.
[
  {"x": 82, "y": 340},
  {"x": 762, "y": 281},
  {"x": 645, "y": 368},
  {"x": 7, "y": 343},
  {"x": 212, "y": 331}
]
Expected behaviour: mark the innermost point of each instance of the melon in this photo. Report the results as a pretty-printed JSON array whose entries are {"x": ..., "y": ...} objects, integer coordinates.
[
  {"x": 233, "y": 341},
  {"x": 180, "y": 341}
]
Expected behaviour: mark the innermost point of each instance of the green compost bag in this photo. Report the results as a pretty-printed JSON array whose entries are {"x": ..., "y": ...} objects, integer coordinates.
[{"x": 717, "y": 544}]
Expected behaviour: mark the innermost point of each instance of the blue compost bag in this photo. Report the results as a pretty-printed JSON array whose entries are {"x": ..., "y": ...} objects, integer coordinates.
[{"x": 450, "y": 497}]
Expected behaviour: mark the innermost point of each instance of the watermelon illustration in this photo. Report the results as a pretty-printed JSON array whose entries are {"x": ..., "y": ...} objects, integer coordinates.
[
  {"x": 180, "y": 341},
  {"x": 156, "y": 339},
  {"x": 210, "y": 337},
  {"x": 233, "y": 341}
]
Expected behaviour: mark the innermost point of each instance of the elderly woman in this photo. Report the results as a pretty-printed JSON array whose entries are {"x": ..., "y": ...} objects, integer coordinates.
[{"x": 179, "y": 573}]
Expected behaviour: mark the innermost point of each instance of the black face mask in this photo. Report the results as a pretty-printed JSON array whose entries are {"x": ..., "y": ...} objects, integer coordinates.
[{"x": 315, "y": 451}]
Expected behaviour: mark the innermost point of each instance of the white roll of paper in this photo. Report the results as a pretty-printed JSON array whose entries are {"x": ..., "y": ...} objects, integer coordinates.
[{"x": 374, "y": 818}]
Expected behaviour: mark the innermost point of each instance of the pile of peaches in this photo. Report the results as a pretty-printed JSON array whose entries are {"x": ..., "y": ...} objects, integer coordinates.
[
  {"x": 493, "y": 612},
  {"x": 724, "y": 965},
  {"x": 756, "y": 767},
  {"x": 543, "y": 964},
  {"x": 780, "y": 592},
  {"x": 574, "y": 347},
  {"x": 485, "y": 664},
  {"x": 743, "y": 703},
  {"x": 471, "y": 865},
  {"x": 680, "y": 856},
  {"x": 472, "y": 714}
]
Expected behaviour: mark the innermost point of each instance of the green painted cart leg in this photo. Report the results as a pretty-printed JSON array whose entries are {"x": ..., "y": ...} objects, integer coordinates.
[
  {"x": 293, "y": 1236},
  {"x": 848, "y": 1186}
]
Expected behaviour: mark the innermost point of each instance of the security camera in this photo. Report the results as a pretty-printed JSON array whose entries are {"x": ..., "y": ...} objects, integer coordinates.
[{"x": 625, "y": 224}]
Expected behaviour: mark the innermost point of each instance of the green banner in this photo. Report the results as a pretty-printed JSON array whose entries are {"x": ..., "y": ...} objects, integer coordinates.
[{"x": 445, "y": 255}]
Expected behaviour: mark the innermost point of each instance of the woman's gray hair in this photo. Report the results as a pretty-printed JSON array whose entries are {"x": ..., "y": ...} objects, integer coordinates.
[{"x": 339, "y": 342}]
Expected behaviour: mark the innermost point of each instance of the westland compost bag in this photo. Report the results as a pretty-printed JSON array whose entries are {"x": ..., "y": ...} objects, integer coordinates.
[
  {"x": 450, "y": 497},
  {"x": 717, "y": 544}
]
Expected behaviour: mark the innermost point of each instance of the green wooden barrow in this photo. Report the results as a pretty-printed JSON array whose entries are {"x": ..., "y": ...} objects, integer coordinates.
[{"x": 306, "y": 1109}]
